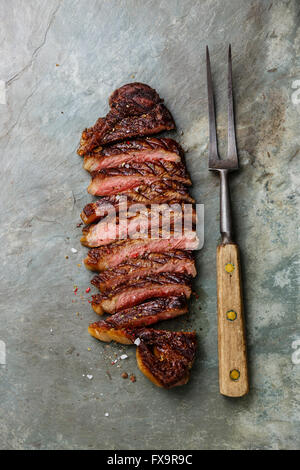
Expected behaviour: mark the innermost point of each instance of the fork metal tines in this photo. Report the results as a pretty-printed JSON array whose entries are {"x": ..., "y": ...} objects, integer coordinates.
[
  {"x": 231, "y": 162},
  {"x": 224, "y": 167}
]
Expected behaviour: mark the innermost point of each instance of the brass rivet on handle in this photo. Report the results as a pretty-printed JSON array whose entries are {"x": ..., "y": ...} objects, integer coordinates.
[
  {"x": 229, "y": 268},
  {"x": 235, "y": 374},
  {"x": 231, "y": 315}
]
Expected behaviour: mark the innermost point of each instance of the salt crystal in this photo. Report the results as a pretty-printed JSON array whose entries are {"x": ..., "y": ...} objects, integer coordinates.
[
  {"x": 124, "y": 356},
  {"x": 73, "y": 250},
  {"x": 89, "y": 376},
  {"x": 137, "y": 342}
]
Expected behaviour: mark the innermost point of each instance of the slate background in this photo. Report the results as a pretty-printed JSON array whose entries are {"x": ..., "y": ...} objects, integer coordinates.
[{"x": 60, "y": 61}]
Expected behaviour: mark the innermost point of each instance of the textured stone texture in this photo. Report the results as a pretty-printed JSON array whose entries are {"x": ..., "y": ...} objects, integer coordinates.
[{"x": 60, "y": 61}]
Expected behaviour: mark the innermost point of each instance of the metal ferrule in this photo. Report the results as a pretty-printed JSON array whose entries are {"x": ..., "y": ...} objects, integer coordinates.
[{"x": 225, "y": 209}]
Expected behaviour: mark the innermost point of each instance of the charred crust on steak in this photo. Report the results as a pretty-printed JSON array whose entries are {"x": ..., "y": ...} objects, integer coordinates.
[
  {"x": 166, "y": 357},
  {"x": 150, "y": 263},
  {"x": 136, "y": 110},
  {"x": 137, "y": 223},
  {"x": 110, "y": 181},
  {"x": 176, "y": 261},
  {"x": 167, "y": 191},
  {"x": 147, "y": 143},
  {"x": 144, "y": 314},
  {"x": 103, "y": 257},
  {"x": 159, "y": 279},
  {"x": 164, "y": 169},
  {"x": 134, "y": 293},
  {"x": 134, "y": 98}
]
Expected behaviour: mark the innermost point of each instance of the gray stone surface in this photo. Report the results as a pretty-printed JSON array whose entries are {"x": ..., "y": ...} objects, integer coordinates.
[{"x": 60, "y": 61}]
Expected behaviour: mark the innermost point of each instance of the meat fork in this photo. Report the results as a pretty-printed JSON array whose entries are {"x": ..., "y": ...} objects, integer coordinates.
[{"x": 233, "y": 371}]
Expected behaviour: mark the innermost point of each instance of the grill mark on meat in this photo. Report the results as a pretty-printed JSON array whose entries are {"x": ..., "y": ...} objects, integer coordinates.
[
  {"x": 151, "y": 263},
  {"x": 161, "y": 279},
  {"x": 165, "y": 357},
  {"x": 136, "y": 292},
  {"x": 144, "y": 314},
  {"x": 136, "y": 110},
  {"x": 146, "y": 143},
  {"x": 104, "y": 257},
  {"x": 139, "y": 150},
  {"x": 117, "y": 180},
  {"x": 159, "y": 168},
  {"x": 167, "y": 191}
]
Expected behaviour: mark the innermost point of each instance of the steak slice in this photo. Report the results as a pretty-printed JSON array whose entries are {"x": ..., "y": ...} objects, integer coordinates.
[
  {"x": 118, "y": 180},
  {"x": 164, "y": 357},
  {"x": 104, "y": 257},
  {"x": 136, "y": 292},
  {"x": 159, "y": 192},
  {"x": 138, "y": 223},
  {"x": 136, "y": 110},
  {"x": 149, "y": 149},
  {"x": 150, "y": 263},
  {"x": 144, "y": 314}
]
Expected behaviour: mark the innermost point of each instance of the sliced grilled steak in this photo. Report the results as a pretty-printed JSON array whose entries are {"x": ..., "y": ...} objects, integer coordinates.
[
  {"x": 95, "y": 211},
  {"x": 165, "y": 357},
  {"x": 150, "y": 263},
  {"x": 136, "y": 110},
  {"x": 138, "y": 222},
  {"x": 104, "y": 257},
  {"x": 136, "y": 292},
  {"x": 118, "y": 180},
  {"x": 144, "y": 314},
  {"x": 149, "y": 149},
  {"x": 159, "y": 192}
]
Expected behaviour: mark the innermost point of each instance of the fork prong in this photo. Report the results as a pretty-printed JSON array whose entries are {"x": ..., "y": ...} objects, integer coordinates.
[
  {"x": 213, "y": 145},
  {"x": 231, "y": 152}
]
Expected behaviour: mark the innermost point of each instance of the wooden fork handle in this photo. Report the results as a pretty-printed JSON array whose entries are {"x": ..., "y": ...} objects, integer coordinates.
[{"x": 233, "y": 371}]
